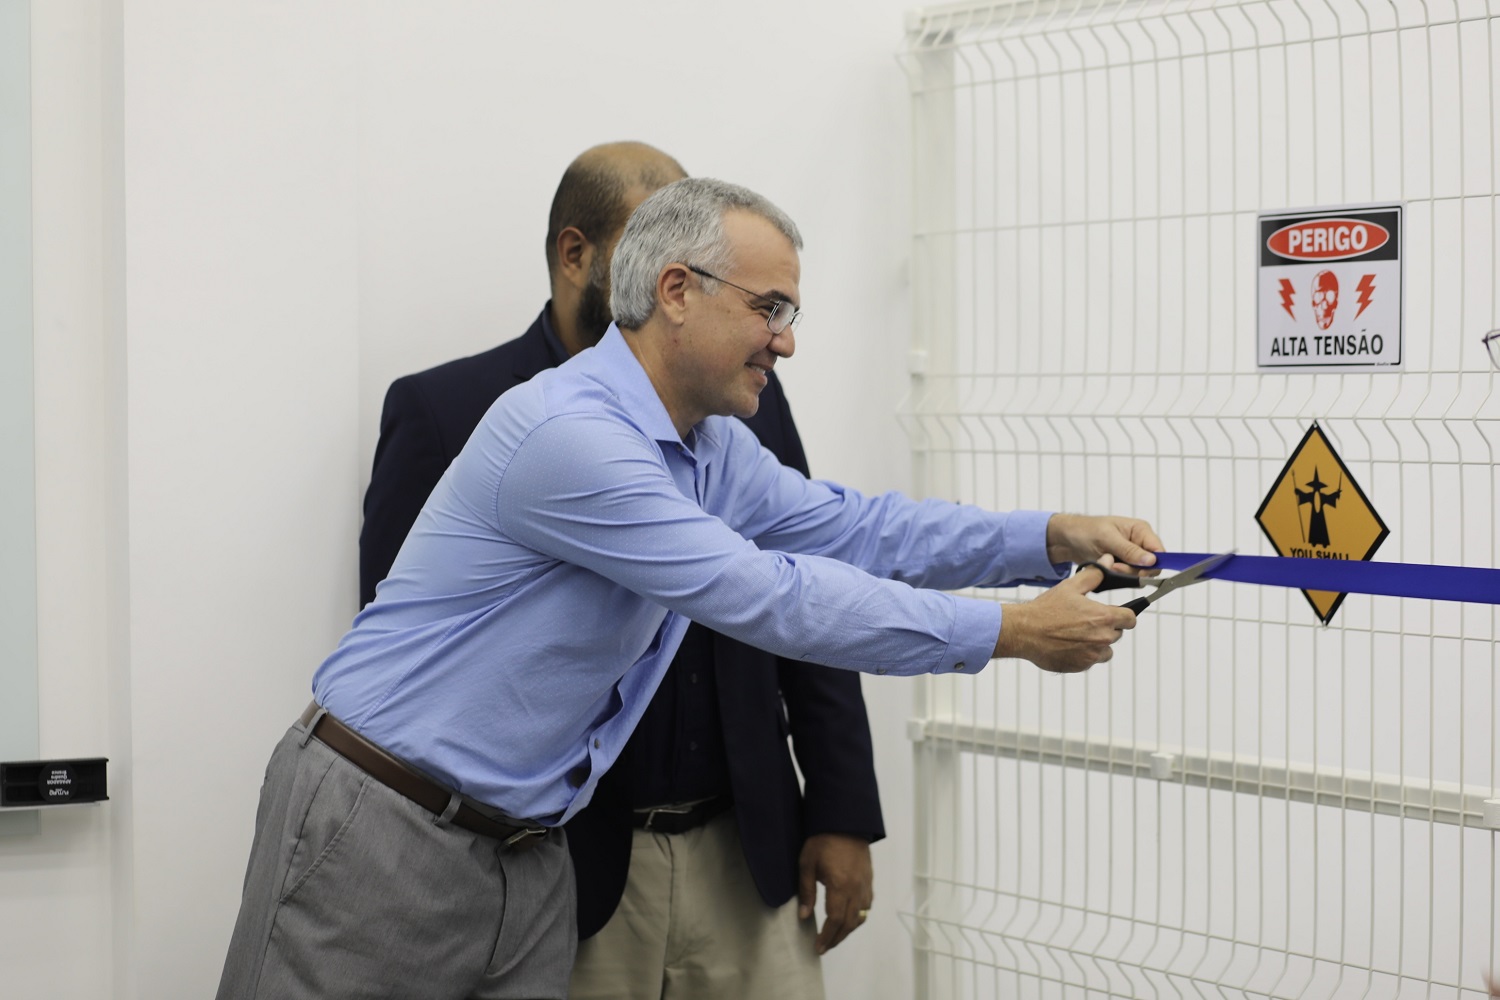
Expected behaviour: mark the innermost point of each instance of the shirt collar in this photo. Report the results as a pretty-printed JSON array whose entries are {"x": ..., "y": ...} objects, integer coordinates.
[{"x": 618, "y": 368}]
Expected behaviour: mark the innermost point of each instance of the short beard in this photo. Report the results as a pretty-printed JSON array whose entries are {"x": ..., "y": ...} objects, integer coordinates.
[{"x": 593, "y": 316}]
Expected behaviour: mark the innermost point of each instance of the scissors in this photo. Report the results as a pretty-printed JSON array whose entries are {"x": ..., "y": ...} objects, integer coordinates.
[{"x": 1114, "y": 579}]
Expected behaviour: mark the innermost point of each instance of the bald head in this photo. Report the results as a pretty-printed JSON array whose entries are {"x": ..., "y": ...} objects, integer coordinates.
[{"x": 601, "y": 187}]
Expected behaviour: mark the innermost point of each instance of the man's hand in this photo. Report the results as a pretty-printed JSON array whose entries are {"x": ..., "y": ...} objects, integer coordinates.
[
  {"x": 842, "y": 864},
  {"x": 1063, "y": 631},
  {"x": 1079, "y": 539}
]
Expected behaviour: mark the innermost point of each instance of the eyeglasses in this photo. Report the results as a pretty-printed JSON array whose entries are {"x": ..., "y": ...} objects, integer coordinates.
[
  {"x": 1491, "y": 342},
  {"x": 783, "y": 315}
]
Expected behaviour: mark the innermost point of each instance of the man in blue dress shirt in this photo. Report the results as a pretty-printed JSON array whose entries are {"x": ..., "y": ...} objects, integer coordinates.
[
  {"x": 706, "y": 784},
  {"x": 406, "y": 841}
]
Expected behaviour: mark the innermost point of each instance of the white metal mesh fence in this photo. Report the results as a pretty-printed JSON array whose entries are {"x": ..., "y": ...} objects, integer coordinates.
[{"x": 1245, "y": 801}]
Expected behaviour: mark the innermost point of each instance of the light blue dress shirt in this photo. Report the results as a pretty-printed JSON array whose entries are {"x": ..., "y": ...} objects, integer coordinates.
[{"x": 548, "y": 581}]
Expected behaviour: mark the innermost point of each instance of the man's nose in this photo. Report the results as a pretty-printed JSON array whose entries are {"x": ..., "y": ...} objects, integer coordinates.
[{"x": 783, "y": 344}]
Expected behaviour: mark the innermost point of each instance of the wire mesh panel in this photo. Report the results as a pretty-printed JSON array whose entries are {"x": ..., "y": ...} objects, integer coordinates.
[{"x": 1245, "y": 801}]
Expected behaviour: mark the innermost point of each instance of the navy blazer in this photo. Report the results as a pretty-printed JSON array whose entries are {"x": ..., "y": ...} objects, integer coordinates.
[{"x": 763, "y": 699}]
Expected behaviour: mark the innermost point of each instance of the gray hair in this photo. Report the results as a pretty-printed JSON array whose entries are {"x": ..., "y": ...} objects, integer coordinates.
[{"x": 681, "y": 223}]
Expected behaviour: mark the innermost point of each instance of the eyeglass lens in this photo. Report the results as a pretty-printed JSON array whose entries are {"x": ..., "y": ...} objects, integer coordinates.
[{"x": 782, "y": 316}]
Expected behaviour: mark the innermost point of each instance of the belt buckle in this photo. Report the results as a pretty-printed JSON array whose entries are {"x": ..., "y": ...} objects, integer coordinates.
[
  {"x": 520, "y": 835},
  {"x": 672, "y": 810}
]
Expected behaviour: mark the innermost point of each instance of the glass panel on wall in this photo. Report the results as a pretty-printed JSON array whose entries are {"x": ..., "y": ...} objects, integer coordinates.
[{"x": 18, "y": 642}]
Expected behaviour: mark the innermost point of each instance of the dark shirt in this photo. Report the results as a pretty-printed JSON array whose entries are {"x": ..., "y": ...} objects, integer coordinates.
[{"x": 677, "y": 752}]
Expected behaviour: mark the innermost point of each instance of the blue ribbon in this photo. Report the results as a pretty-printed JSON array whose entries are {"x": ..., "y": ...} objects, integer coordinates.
[{"x": 1347, "y": 576}]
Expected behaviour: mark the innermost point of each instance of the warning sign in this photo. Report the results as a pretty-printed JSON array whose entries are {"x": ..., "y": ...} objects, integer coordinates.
[
  {"x": 1330, "y": 290},
  {"x": 1316, "y": 510}
]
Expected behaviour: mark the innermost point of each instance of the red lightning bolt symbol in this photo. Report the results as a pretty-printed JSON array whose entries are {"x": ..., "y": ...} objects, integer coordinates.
[
  {"x": 1286, "y": 297},
  {"x": 1366, "y": 286}
]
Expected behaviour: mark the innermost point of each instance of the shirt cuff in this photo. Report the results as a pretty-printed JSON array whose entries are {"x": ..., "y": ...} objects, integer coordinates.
[
  {"x": 976, "y": 629},
  {"x": 1026, "y": 547}
]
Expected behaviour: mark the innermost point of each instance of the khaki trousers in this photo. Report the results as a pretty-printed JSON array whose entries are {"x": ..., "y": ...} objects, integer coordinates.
[{"x": 691, "y": 924}]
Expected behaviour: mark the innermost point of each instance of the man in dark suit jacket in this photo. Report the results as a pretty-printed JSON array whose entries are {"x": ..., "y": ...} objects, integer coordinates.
[{"x": 711, "y": 752}]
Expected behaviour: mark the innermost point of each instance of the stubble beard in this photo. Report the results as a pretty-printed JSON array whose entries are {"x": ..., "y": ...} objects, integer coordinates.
[{"x": 593, "y": 316}]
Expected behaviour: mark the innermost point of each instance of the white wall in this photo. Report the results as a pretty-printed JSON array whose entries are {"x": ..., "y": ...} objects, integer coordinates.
[
  {"x": 55, "y": 891},
  {"x": 247, "y": 221}
]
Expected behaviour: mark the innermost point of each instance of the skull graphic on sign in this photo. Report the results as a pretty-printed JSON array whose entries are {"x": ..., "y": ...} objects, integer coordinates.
[{"x": 1325, "y": 298}]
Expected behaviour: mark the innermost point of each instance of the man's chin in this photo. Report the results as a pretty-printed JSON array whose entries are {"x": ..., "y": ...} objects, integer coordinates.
[{"x": 748, "y": 408}]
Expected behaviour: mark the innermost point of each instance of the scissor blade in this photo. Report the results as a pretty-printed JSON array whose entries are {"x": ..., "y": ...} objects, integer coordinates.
[{"x": 1193, "y": 573}]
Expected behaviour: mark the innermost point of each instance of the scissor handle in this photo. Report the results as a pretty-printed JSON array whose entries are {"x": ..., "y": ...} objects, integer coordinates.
[
  {"x": 1113, "y": 580},
  {"x": 1138, "y": 605}
]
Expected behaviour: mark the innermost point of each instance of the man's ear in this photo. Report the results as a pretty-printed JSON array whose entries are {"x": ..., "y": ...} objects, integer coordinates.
[
  {"x": 574, "y": 255},
  {"x": 671, "y": 291}
]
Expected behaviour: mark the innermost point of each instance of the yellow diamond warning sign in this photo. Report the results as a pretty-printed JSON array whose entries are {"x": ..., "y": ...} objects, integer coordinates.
[{"x": 1316, "y": 510}]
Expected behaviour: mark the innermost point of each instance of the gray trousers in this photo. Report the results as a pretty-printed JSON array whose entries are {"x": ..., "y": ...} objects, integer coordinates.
[{"x": 356, "y": 891}]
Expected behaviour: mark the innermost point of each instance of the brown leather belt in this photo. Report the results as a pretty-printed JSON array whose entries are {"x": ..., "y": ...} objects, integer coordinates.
[{"x": 400, "y": 778}]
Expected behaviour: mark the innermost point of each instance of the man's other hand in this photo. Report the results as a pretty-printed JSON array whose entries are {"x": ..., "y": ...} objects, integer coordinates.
[
  {"x": 842, "y": 864},
  {"x": 1078, "y": 538}
]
